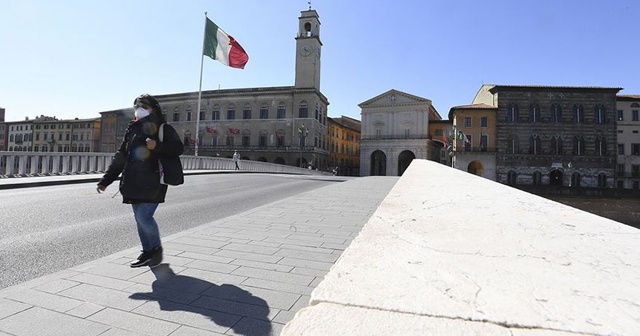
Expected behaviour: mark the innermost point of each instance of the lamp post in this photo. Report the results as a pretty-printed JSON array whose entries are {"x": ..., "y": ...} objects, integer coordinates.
[{"x": 303, "y": 131}]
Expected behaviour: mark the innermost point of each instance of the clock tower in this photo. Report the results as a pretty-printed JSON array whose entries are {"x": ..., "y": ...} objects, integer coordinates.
[{"x": 308, "y": 47}]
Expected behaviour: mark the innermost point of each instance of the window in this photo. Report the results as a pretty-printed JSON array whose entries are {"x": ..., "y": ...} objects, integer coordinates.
[
  {"x": 231, "y": 113},
  {"x": 246, "y": 141},
  {"x": 534, "y": 113},
  {"x": 246, "y": 112},
  {"x": 188, "y": 114},
  {"x": 534, "y": 144},
  {"x": 262, "y": 139},
  {"x": 467, "y": 121},
  {"x": 537, "y": 178},
  {"x": 578, "y": 114},
  {"x": 512, "y": 177},
  {"x": 575, "y": 179},
  {"x": 602, "y": 180},
  {"x": 176, "y": 116},
  {"x": 620, "y": 170},
  {"x": 635, "y": 149},
  {"x": 634, "y": 115},
  {"x": 467, "y": 143},
  {"x": 601, "y": 146},
  {"x": 512, "y": 145},
  {"x": 280, "y": 138},
  {"x": 229, "y": 141},
  {"x": 620, "y": 115},
  {"x": 600, "y": 114},
  {"x": 215, "y": 113},
  {"x": 483, "y": 122},
  {"x": 203, "y": 115},
  {"x": 303, "y": 110},
  {"x": 620, "y": 149},
  {"x": 282, "y": 111},
  {"x": 578, "y": 145},
  {"x": 484, "y": 139},
  {"x": 512, "y": 113},
  {"x": 635, "y": 170},
  {"x": 556, "y": 113},
  {"x": 264, "y": 112}
]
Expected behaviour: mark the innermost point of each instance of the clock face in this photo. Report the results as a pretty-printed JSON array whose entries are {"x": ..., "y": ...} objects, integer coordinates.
[{"x": 305, "y": 50}]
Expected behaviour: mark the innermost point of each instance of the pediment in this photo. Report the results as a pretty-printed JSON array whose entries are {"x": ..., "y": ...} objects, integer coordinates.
[{"x": 393, "y": 97}]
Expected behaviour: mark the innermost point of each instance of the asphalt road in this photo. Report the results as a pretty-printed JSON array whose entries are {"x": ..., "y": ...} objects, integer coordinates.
[{"x": 47, "y": 229}]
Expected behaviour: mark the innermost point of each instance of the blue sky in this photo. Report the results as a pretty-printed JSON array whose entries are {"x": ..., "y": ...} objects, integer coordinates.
[{"x": 75, "y": 58}]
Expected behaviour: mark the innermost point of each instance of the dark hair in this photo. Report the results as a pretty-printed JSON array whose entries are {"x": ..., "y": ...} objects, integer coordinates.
[{"x": 151, "y": 101}]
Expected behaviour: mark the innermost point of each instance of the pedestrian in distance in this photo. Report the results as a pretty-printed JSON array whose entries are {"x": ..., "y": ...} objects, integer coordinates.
[
  {"x": 236, "y": 159},
  {"x": 137, "y": 161}
]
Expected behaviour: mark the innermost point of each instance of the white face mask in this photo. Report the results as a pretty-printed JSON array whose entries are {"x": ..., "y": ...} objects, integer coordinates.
[{"x": 141, "y": 113}]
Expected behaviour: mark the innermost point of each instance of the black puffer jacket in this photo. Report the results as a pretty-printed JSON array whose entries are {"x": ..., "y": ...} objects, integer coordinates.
[{"x": 140, "y": 181}]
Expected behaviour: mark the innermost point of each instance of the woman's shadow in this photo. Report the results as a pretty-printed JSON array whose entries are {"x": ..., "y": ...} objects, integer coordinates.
[{"x": 226, "y": 305}]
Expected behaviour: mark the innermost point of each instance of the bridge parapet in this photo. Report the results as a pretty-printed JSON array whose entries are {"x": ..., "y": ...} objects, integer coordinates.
[
  {"x": 450, "y": 253},
  {"x": 27, "y": 164}
]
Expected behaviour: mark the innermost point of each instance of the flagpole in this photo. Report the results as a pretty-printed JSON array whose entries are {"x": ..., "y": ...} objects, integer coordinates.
[{"x": 200, "y": 86}]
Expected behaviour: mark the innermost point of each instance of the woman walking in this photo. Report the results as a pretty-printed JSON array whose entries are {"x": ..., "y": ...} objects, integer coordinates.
[{"x": 137, "y": 161}]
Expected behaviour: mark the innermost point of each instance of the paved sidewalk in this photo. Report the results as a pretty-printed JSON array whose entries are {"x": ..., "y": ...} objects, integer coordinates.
[{"x": 247, "y": 274}]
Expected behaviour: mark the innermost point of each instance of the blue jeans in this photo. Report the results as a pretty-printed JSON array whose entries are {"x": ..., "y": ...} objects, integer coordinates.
[{"x": 147, "y": 227}]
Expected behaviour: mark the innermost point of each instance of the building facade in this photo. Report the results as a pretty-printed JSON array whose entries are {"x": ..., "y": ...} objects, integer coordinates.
[
  {"x": 19, "y": 135},
  {"x": 344, "y": 146},
  {"x": 3, "y": 131},
  {"x": 554, "y": 135},
  {"x": 395, "y": 128},
  {"x": 473, "y": 140},
  {"x": 628, "y": 139},
  {"x": 284, "y": 125}
]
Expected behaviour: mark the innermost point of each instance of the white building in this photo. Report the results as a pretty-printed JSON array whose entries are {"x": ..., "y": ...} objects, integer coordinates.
[{"x": 395, "y": 130}]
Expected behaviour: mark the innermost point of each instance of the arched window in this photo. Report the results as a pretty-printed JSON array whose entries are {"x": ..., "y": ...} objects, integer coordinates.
[
  {"x": 534, "y": 144},
  {"x": 188, "y": 113},
  {"x": 556, "y": 113},
  {"x": 246, "y": 112},
  {"x": 246, "y": 138},
  {"x": 602, "y": 180},
  {"x": 578, "y": 114},
  {"x": 282, "y": 111},
  {"x": 601, "y": 146},
  {"x": 262, "y": 138},
  {"x": 537, "y": 178},
  {"x": 512, "y": 145},
  {"x": 578, "y": 145},
  {"x": 556, "y": 145},
  {"x": 264, "y": 111},
  {"x": 575, "y": 179},
  {"x": 231, "y": 112},
  {"x": 303, "y": 110},
  {"x": 280, "y": 138},
  {"x": 512, "y": 113},
  {"x": 534, "y": 113},
  {"x": 215, "y": 113},
  {"x": 600, "y": 114}
]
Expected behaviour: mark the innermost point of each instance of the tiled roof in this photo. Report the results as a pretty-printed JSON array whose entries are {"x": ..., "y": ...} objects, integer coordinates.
[{"x": 475, "y": 106}]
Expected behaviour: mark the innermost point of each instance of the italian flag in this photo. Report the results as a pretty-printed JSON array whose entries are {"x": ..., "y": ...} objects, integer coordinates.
[{"x": 222, "y": 47}]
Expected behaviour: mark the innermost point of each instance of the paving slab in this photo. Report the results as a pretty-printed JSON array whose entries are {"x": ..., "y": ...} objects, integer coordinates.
[{"x": 247, "y": 274}]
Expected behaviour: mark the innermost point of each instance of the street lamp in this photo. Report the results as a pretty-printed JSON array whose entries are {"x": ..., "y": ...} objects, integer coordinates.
[{"x": 303, "y": 131}]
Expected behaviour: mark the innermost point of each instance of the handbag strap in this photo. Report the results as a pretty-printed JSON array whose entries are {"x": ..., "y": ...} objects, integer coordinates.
[{"x": 161, "y": 133}]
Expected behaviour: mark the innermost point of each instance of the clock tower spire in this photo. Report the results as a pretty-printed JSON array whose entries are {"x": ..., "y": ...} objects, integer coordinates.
[{"x": 308, "y": 47}]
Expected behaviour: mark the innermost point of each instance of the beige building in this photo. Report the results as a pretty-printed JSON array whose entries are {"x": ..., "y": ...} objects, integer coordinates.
[
  {"x": 395, "y": 130},
  {"x": 284, "y": 125},
  {"x": 628, "y": 138},
  {"x": 344, "y": 146},
  {"x": 71, "y": 135},
  {"x": 3, "y": 131},
  {"x": 473, "y": 140}
]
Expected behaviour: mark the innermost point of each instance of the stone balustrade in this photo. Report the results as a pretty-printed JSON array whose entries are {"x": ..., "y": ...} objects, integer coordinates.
[
  {"x": 450, "y": 253},
  {"x": 31, "y": 164}
]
